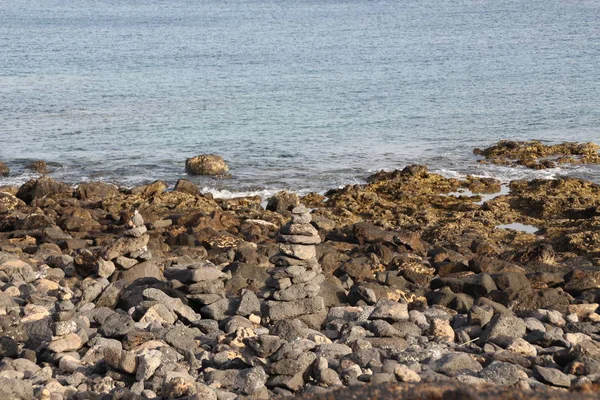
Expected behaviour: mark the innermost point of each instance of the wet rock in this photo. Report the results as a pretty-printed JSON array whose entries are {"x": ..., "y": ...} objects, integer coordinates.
[
  {"x": 4, "y": 170},
  {"x": 206, "y": 164},
  {"x": 38, "y": 166}
]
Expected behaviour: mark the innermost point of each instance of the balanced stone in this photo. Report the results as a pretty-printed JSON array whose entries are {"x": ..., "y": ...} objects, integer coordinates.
[
  {"x": 280, "y": 310},
  {"x": 283, "y": 260},
  {"x": 299, "y": 229},
  {"x": 299, "y": 239},
  {"x": 299, "y": 251}
]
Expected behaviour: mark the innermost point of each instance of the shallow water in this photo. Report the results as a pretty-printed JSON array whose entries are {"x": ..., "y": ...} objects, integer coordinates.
[
  {"x": 304, "y": 95},
  {"x": 517, "y": 226}
]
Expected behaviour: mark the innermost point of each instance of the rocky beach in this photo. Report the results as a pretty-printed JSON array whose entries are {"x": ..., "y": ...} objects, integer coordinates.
[{"x": 410, "y": 286}]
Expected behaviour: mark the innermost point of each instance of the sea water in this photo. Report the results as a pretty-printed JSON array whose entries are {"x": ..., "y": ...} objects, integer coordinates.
[{"x": 301, "y": 95}]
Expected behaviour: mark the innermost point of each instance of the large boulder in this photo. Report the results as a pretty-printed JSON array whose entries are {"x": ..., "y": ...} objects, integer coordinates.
[
  {"x": 96, "y": 191},
  {"x": 283, "y": 201},
  {"x": 206, "y": 164},
  {"x": 42, "y": 187}
]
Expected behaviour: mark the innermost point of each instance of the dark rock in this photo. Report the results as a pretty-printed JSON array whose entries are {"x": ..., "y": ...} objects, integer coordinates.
[
  {"x": 283, "y": 201},
  {"x": 365, "y": 232},
  {"x": 477, "y": 285},
  {"x": 552, "y": 299},
  {"x": 502, "y": 329},
  {"x": 8, "y": 347},
  {"x": 512, "y": 282},
  {"x": 265, "y": 345},
  {"x": 117, "y": 325},
  {"x": 153, "y": 189},
  {"x": 186, "y": 186},
  {"x": 42, "y": 187},
  {"x": 252, "y": 277},
  {"x": 94, "y": 191}
]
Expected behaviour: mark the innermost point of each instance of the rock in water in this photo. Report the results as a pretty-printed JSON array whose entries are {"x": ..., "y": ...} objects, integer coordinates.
[
  {"x": 4, "y": 170},
  {"x": 206, "y": 164}
]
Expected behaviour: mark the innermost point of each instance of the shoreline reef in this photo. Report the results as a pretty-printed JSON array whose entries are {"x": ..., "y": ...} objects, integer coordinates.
[{"x": 407, "y": 286}]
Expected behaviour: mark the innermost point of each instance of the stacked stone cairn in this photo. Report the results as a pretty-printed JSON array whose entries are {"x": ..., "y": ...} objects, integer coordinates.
[{"x": 293, "y": 290}]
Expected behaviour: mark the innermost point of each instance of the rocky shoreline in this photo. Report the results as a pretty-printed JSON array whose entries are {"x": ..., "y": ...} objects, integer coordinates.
[{"x": 404, "y": 286}]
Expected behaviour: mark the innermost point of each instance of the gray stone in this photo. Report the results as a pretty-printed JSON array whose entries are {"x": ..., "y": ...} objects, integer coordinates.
[
  {"x": 277, "y": 310},
  {"x": 173, "y": 304},
  {"x": 136, "y": 232},
  {"x": 452, "y": 364},
  {"x": 249, "y": 304},
  {"x": 298, "y": 291},
  {"x": 194, "y": 274},
  {"x": 299, "y": 229},
  {"x": 221, "y": 309},
  {"x": 124, "y": 246},
  {"x": 182, "y": 338},
  {"x": 148, "y": 363},
  {"x": 116, "y": 325},
  {"x": 501, "y": 373},
  {"x": 382, "y": 328},
  {"x": 66, "y": 343},
  {"x": 299, "y": 251},
  {"x": 503, "y": 329},
  {"x": 265, "y": 345},
  {"x": 552, "y": 376},
  {"x": 15, "y": 389},
  {"x": 390, "y": 310},
  {"x": 480, "y": 315},
  {"x": 105, "y": 268},
  {"x": 299, "y": 239}
]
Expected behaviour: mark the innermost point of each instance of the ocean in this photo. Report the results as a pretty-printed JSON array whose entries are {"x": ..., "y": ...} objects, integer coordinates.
[{"x": 302, "y": 95}]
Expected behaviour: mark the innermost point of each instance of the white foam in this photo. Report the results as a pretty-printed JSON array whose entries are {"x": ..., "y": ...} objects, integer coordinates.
[
  {"x": 228, "y": 194},
  {"x": 504, "y": 190}
]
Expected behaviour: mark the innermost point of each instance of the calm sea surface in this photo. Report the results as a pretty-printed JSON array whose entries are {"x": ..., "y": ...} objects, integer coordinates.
[{"x": 305, "y": 95}]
